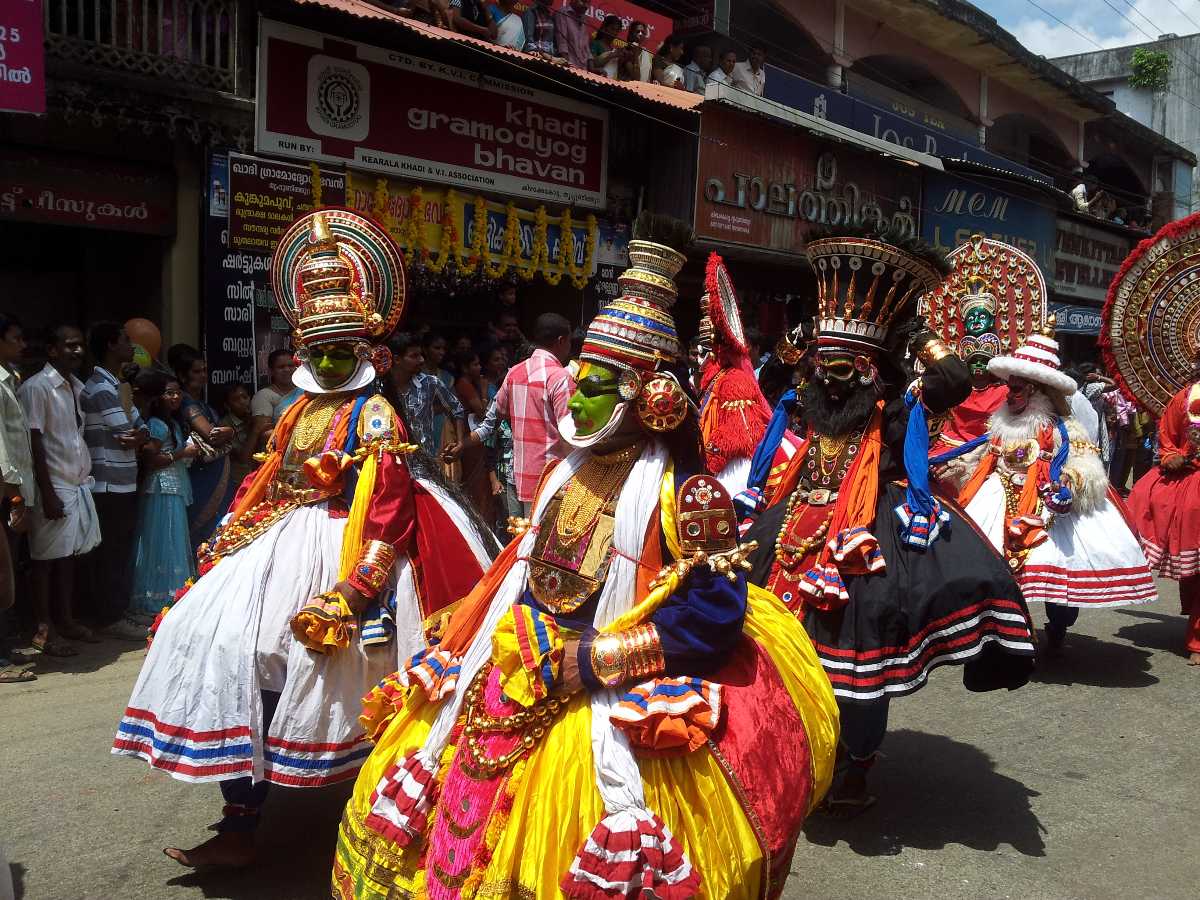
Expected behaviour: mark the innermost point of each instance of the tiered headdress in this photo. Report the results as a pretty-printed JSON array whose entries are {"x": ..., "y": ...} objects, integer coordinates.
[
  {"x": 1036, "y": 360},
  {"x": 1004, "y": 282},
  {"x": 864, "y": 286},
  {"x": 635, "y": 334},
  {"x": 338, "y": 277}
]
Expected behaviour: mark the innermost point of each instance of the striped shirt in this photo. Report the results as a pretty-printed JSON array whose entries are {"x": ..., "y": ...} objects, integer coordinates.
[
  {"x": 533, "y": 398},
  {"x": 113, "y": 466}
]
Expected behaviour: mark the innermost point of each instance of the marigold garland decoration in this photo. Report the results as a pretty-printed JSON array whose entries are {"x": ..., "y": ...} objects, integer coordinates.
[
  {"x": 316, "y": 184},
  {"x": 477, "y": 255}
]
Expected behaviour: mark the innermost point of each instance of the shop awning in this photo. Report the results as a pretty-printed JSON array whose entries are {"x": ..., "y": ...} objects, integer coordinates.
[
  {"x": 728, "y": 95},
  {"x": 655, "y": 93}
]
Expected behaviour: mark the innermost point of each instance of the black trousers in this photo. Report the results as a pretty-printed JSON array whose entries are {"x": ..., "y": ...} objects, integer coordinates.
[{"x": 112, "y": 562}]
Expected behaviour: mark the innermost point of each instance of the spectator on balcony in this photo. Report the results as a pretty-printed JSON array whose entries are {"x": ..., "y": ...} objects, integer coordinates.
[
  {"x": 572, "y": 35},
  {"x": 431, "y": 12},
  {"x": 540, "y": 35},
  {"x": 668, "y": 70},
  {"x": 636, "y": 58},
  {"x": 723, "y": 73},
  {"x": 751, "y": 75},
  {"x": 1085, "y": 204},
  {"x": 472, "y": 17},
  {"x": 510, "y": 30},
  {"x": 695, "y": 74},
  {"x": 607, "y": 48}
]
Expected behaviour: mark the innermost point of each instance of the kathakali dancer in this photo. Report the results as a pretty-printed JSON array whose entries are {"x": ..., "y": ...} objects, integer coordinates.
[
  {"x": 1151, "y": 345},
  {"x": 1035, "y": 485},
  {"x": 613, "y": 711},
  {"x": 994, "y": 298},
  {"x": 336, "y": 554},
  {"x": 889, "y": 580},
  {"x": 733, "y": 411}
]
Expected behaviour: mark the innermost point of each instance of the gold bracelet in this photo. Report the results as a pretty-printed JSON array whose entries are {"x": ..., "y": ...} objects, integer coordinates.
[
  {"x": 608, "y": 660},
  {"x": 643, "y": 652},
  {"x": 373, "y": 567},
  {"x": 933, "y": 351}
]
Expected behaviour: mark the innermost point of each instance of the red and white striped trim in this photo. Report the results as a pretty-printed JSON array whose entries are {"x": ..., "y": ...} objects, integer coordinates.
[
  {"x": 955, "y": 638},
  {"x": 630, "y": 854},
  {"x": 1180, "y": 565},
  {"x": 1088, "y": 587},
  {"x": 184, "y": 753},
  {"x": 401, "y": 802},
  {"x": 1039, "y": 349}
]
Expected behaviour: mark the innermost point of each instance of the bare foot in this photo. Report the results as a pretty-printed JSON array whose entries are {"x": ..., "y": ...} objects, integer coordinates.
[
  {"x": 1194, "y": 659},
  {"x": 231, "y": 849}
]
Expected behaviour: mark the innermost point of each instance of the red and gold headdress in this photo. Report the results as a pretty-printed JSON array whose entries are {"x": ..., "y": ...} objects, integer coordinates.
[{"x": 338, "y": 277}]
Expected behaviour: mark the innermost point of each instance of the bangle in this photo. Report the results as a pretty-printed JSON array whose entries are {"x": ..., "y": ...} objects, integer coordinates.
[
  {"x": 634, "y": 654},
  {"x": 374, "y": 565}
]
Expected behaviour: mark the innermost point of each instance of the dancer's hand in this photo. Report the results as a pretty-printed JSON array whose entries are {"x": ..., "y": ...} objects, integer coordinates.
[
  {"x": 1174, "y": 462},
  {"x": 355, "y": 599}
]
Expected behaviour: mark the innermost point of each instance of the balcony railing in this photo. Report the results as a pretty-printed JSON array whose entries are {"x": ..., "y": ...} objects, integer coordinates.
[{"x": 189, "y": 41}]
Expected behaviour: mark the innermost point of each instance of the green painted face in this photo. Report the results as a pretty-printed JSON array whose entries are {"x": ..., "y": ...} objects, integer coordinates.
[
  {"x": 978, "y": 364},
  {"x": 978, "y": 321},
  {"x": 332, "y": 364},
  {"x": 596, "y": 397}
]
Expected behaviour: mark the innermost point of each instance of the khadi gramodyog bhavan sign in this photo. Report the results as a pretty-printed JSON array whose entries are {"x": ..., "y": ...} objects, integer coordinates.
[{"x": 325, "y": 99}]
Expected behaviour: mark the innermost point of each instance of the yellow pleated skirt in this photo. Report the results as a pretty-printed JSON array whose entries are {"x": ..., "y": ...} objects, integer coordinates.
[{"x": 555, "y": 804}]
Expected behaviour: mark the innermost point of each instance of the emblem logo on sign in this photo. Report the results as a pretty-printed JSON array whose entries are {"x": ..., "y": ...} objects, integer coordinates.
[{"x": 338, "y": 98}]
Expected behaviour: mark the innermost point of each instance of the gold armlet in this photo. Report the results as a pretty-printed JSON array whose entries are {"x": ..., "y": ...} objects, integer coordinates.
[
  {"x": 373, "y": 567},
  {"x": 634, "y": 654}
]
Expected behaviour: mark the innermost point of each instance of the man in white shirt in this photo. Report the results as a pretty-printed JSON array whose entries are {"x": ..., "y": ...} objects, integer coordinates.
[
  {"x": 20, "y": 493},
  {"x": 64, "y": 524},
  {"x": 751, "y": 75},
  {"x": 695, "y": 73},
  {"x": 723, "y": 73}
]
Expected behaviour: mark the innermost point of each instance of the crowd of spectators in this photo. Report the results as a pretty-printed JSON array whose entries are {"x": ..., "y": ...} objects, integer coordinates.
[
  {"x": 114, "y": 475},
  {"x": 615, "y": 48},
  {"x": 1090, "y": 198}
]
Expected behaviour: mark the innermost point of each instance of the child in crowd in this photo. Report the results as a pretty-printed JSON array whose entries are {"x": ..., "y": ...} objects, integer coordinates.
[
  {"x": 162, "y": 551},
  {"x": 246, "y": 434}
]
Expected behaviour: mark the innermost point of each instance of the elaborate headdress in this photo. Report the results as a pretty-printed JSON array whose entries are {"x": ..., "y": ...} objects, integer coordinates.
[
  {"x": 635, "y": 333},
  {"x": 864, "y": 287},
  {"x": 1036, "y": 360},
  {"x": 338, "y": 277},
  {"x": 1151, "y": 322},
  {"x": 993, "y": 300}
]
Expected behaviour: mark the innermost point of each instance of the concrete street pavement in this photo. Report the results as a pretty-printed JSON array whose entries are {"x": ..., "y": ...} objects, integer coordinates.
[{"x": 1081, "y": 785}]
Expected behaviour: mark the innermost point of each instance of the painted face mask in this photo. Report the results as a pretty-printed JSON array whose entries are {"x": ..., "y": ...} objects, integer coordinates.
[
  {"x": 332, "y": 364},
  {"x": 596, "y": 397},
  {"x": 978, "y": 321}
]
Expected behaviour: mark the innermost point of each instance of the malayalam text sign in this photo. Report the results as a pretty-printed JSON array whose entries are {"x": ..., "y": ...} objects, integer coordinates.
[
  {"x": 266, "y": 196},
  {"x": 22, "y": 57},
  {"x": 321, "y": 98},
  {"x": 1086, "y": 260}
]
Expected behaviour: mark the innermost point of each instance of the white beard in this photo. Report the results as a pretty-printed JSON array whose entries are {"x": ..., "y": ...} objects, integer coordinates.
[{"x": 1012, "y": 427}]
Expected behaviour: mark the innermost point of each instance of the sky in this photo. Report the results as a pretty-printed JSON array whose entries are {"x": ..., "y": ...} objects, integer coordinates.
[{"x": 1098, "y": 23}]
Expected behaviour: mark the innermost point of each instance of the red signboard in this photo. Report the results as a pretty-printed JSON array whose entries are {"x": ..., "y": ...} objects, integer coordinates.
[
  {"x": 22, "y": 61},
  {"x": 769, "y": 186},
  {"x": 320, "y": 98},
  {"x": 85, "y": 191}
]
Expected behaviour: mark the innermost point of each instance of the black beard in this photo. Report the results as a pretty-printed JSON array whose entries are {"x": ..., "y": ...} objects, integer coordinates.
[{"x": 834, "y": 418}]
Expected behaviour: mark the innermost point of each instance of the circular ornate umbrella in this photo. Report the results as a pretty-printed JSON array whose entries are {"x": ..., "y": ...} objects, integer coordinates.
[
  {"x": 991, "y": 302},
  {"x": 1151, "y": 321}
]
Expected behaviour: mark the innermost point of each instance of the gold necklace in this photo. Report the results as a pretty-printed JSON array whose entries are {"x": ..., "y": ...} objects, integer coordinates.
[
  {"x": 589, "y": 491},
  {"x": 312, "y": 427}
]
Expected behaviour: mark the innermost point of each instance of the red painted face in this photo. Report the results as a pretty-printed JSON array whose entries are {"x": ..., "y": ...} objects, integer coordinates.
[{"x": 1019, "y": 392}]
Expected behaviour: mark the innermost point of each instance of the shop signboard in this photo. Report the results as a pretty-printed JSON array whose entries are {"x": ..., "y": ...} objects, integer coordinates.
[
  {"x": 251, "y": 201},
  {"x": 955, "y": 208},
  {"x": 906, "y": 126},
  {"x": 1070, "y": 319},
  {"x": 323, "y": 98},
  {"x": 769, "y": 186},
  {"x": 1086, "y": 260},
  {"x": 52, "y": 188},
  {"x": 22, "y": 57}
]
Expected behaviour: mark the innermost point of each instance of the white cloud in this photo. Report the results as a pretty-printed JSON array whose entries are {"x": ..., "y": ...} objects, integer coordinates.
[{"x": 1143, "y": 22}]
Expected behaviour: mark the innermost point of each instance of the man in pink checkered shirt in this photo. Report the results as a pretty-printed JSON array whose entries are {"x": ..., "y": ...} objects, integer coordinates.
[{"x": 533, "y": 398}]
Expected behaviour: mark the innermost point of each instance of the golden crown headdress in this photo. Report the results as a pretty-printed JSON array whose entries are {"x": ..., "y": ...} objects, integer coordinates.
[{"x": 863, "y": 287}]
